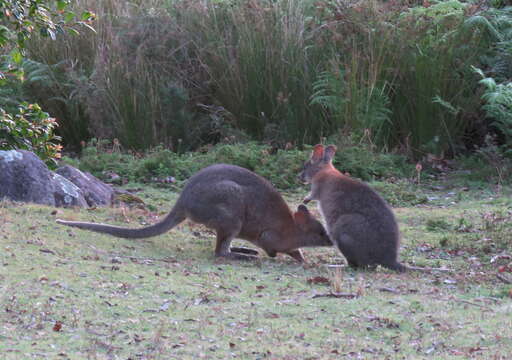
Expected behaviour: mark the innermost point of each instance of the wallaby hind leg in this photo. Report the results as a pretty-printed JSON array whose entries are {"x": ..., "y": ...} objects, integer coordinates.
[
  {"x": 222, "y": 248},
  {"x": 347, "y": 247}
]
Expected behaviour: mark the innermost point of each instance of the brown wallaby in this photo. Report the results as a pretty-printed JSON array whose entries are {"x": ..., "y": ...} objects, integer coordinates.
[
  {"x": 236, "y": 203},
  {"x": 359, "y": 221}
]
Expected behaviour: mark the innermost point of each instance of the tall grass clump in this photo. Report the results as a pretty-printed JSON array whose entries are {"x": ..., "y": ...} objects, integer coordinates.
[
  {"x": 403, "y": 74},
  {"x": 433, "y": 101},
  {"x": 185, "y": 73},
  {"x": 498, "y": 107},
  {"x": 353, "y": 89},
  {"x": 122, "y": 77},
  {"x": 262, "y": 58}
]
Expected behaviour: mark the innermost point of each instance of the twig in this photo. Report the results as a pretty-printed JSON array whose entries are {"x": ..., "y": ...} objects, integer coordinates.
[
  {"x": 474, "y": 304},
  {"x": 504, "y": 278},
  {"x": 390, "y": 290},
  {"x": 499, "y": 257},
  {"x": 336, "y": 295},
  {"x": 428, "y": 269}
]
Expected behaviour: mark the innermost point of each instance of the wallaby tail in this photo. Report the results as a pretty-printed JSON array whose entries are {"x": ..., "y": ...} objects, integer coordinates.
[
  {"x": 397, "y": 267},
  {"x": 175, "y": 216},
  {"x": 403, "y": 268}
]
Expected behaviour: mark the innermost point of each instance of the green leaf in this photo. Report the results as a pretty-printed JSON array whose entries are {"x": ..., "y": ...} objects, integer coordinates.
[
  {"x": 69, "y": 16},
  {"x": 16, "y": 56},
  {"x": 61, "y": 5},
  {"x": 88, "y": 16},
  {"x": 73, "y": 31}
]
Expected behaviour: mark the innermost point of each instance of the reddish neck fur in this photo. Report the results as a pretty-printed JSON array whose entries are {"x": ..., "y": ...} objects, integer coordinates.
[{"x": 328, "y": 171}]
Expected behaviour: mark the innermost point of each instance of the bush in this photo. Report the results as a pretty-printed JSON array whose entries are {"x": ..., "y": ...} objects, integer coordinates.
[
  {"x": 498, "y": 107},
  {"x": 30, "y": 128},
  {"x": 280, "y": 167},
  {"x": 359, "y": 157},
  {"x": 26, "y": 126}
]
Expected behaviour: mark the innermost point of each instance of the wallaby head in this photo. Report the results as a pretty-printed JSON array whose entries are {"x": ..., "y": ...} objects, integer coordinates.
[
  {"x": 310, "y": 231},
  {"x": 320, "y": 160}
]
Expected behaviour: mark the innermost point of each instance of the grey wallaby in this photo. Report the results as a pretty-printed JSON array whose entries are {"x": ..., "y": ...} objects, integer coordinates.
[
  {"x": 236, "y": 203},
  {"x": 360, "y": 223}
]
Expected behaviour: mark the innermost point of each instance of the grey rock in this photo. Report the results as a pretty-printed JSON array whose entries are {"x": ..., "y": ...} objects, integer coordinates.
[
  {"x": 66, "y": 193},
  {"x": 24, "y": 177},
  {"x": 96, "y": 192}
]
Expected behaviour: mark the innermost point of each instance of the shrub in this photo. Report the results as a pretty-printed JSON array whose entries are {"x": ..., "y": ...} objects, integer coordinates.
[
  {"x": 498, "y": 107},
  {"x": 26, "y": 126},
  {"x": 30, "y": 128},
  {"x": 359, "y": 158},
  {"x": 279, "y": 166}
]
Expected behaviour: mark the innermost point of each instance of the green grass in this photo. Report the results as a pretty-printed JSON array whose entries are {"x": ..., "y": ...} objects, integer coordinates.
[{"x": 168, "y": 298}]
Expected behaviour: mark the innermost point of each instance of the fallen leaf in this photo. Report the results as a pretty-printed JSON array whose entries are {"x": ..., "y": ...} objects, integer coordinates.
[
  {"x": 165, "y": 306},
  {"x": 271, "y": 316},
  {"x": 318, "y": 280},
  {"x": 475, "y": 349},
  {"x": 456, "y": 352},
  {"x": 47, "y": 251},
  {"x": 58, "y": 326},
  {"x": 390, "y": 290}
]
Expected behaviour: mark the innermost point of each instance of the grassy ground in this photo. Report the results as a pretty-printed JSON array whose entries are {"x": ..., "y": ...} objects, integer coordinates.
[{"x": 67, "y": 293}]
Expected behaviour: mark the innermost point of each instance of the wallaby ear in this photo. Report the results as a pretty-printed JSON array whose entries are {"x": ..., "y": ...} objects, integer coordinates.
[
  {"x": 300, "y": 218},
  {"x": 303, "y": 209},
  {"x": 302, "y": 215},
  {"x": 318, "y": 152},
  {"x": 329, "y": 153}
]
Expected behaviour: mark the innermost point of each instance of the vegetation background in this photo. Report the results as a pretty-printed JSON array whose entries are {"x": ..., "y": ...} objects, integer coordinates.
[{"x": 409, "y": 77}]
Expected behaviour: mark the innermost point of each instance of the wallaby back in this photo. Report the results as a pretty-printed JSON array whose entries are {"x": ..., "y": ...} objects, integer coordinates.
[
  {"x": 234, "y": 202},
  {"x": 359, "y": 221}
]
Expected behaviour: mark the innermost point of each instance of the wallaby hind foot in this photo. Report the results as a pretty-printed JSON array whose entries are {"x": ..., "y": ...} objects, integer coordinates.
[
  {"x": 244, "y": 250},
  {"x": 236, "y": 256}
]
